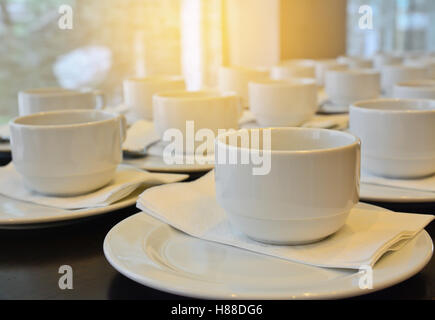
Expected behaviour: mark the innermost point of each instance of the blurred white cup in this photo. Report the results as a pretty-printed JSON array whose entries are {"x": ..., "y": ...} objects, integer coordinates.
[
  {"x": 283, "y": 103},
  {"x": 138, "y": 92},
  {"x": 55, "y": 99},
  {"x": 417, "y": 89},
  {"x": 236, "y": 79},
  {"x": 390, "y": 75},
  {"x": 344, "y": 87}
]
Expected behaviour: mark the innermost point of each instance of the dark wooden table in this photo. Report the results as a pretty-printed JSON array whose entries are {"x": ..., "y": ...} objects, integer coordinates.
[{"x": 30, "y": 260}]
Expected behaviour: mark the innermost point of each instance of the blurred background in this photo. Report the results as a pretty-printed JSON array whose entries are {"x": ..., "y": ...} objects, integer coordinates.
[{"x": 114, "y": 39}]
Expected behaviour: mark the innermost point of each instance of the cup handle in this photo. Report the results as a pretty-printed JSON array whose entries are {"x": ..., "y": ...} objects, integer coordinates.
[
  {"x": 123, "y": 127},
  {"x": 100, "y": 99}
]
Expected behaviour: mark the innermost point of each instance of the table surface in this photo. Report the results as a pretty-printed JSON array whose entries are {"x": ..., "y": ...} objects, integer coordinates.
[{"x": 30, "y": 260}]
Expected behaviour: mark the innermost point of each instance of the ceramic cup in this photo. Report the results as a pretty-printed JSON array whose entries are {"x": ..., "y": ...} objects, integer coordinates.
[
  {"x": 207, "y": 109},
  {"x": 356, "y": 62},
  {"x": 427, "y": 62},
  {"x": 283, "y": 103},
  {"x": 417, "y": 89},
  {"x": 65, "y": 153},
  {"x": 312, "y": 185},
  {"x": 390, "y": 75},
  {"x": 346, "y": 86},
  {"x": 54, "y": 99},
  {"x": 236, "y": 79},
  {"x": 322, "y": 66},
  {"x": 297, "y": 68},
  {"x": 397, "y": 135},
  {"x": 138, "y": 92},
  {"x": 381, "y": 60}
]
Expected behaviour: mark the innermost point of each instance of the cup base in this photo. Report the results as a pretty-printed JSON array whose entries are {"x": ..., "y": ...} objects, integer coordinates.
[
  {"x": 289, "y": 232},
  {"x": 69, "y": 186},
  {"x": 399, "y": 169}
]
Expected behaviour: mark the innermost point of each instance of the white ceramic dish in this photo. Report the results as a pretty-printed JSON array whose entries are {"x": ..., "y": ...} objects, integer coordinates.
[
  {"x": 55, "y": 99},
  {"x": 283, "y": 103},
  {"x": 156, "y": 164},
  {"x": 67, "y": 152},
  {"x": 15, "y": 214},
  {"x": 344, "y": 87},
  {"x": 398, "y": 136},
  {"x": 377, "y": 193},
  {"x": 292, "y": 188},
  {"x": 155, "y": 255},
  {"x": 138, "y": 92}
]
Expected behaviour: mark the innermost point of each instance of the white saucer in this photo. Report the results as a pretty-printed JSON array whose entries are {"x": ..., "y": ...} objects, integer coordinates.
[
  {"x": 15, "y": 214},
  {"x": 376, "y": 193},
  {"x": 154, "y": 161},
  {"x": 156, "y": 255}
]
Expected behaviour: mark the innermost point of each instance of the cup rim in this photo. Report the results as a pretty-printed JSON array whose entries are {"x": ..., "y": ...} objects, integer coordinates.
[
  {"x": 53, "y": 91},
  {"x": 290, "y": 82},
  {"x": 356, "y": 142},
  {"x": 14, "y": 123},
  {"x": 155, "y": 78},
  {"x": 355, "y": 71},
  {"x": 186, "y": 95},
  {"x": 420, "y": 84},
  {"x": 361, "y": 106}
]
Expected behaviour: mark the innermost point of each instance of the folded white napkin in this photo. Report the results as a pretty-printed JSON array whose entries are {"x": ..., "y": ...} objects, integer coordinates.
[
  {"x": 367, "y": 235},
  {"x": 423, "y": 184},
  {"x": 140, "y": 135},
  {"x": 127, "y": 179}
]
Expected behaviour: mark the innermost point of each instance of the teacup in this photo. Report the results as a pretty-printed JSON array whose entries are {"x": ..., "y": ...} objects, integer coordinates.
[
  {"x": 398, "y": 136},
  {"x": 205, "y": 109},
  {"x": 65, "y": 153},
  {"x": 283, "y": 103},
  {"x": 417, "y": 89},
  {"x": 138, "y": 92},
  {"x": 381, "y": 60},
  {"x": 297, "y": 68},
  {"x": 427, "y": 62},
  {"x": 322, "y": 66},
  {"x": 390, "y": 75},
  {"x": 56, "y": 99},
  {"x": 236, "y": 79},
  {"x": 312, "y": 185},
  {"x": 344, "y": 87},
  {"x": 356, "y": 62}
]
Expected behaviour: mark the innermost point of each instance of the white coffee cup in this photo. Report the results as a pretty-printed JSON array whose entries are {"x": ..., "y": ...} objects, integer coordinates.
[
  {"x": 356, "y": 62},
  {"x": 322, "y": 66},
  {"x": 67, "y": 153},
  {"x": 344, "y": 87},
  {"x": 55, "y": 99},
  {"x": 138, "y": 92},
  {"x": 283, "y": 103},
  {"x": 296, "y": 68},
  {"x": 426, "y": 62},
  {"x": 236, "y": 79},
  {"x": 398, "y": 136},
  {"x": 381, "y": 60},
  {"x": 417, "y": 89},
  {"x": 312, "y": 185},
  {"x": 208, "y": 109},
  {"x": 390, "y": 75}
]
